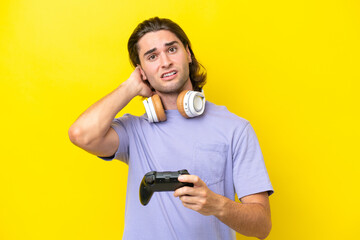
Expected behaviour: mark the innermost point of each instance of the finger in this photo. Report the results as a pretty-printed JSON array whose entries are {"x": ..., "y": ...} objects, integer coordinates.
[
  {"x": 190, "y": 199},
  {"x": 183, "y": 191},
  {"x": 191, "y": 179},
  {"x": 190, "y": 206}
]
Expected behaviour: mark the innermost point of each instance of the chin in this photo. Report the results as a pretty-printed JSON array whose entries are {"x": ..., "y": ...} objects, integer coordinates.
[{"x": 177, "y": 88}]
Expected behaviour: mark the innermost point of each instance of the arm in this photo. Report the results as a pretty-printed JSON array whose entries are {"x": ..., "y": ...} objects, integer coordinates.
[
  {"x": 92, "y": 131},
  {"x": 250, "y": 218}
]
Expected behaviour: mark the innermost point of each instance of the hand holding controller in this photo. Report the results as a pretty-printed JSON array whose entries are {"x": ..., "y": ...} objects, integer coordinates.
[{"x": 160, "y": 182}]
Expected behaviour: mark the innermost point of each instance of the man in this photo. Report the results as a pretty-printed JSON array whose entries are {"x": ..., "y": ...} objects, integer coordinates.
[{"x": 219, "y": 149}]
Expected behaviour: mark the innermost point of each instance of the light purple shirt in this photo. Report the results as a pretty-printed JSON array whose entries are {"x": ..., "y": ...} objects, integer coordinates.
[{"x": 219, "y": 147}]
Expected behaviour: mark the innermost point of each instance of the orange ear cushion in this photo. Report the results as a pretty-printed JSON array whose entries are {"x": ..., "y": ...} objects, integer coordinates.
[
  {"x": 180, "y": 103},
  {"x": 159, "y": 109}
]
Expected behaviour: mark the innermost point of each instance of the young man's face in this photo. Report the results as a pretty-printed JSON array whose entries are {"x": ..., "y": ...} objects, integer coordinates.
[{"x": 165, "y": 61}]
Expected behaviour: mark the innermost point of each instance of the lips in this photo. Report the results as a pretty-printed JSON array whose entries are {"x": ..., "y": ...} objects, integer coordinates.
[{"x": 169, "y": 74}]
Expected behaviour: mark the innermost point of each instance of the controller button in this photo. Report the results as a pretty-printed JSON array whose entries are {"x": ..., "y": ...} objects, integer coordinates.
[{"x": 150, "y": 179}]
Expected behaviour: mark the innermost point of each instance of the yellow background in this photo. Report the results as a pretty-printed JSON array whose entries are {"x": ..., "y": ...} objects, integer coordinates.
[{"x": 290, "y": 67}]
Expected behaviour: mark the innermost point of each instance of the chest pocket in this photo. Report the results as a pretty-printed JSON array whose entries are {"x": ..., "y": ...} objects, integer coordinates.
[{"x": 210, "y": 162}]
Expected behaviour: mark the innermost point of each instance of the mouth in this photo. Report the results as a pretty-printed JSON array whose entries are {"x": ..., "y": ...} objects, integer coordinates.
[{"x": 169, "y": 75}]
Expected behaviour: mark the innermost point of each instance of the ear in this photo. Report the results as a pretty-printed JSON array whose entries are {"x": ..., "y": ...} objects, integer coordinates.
[
  {"x": 189, "y": 54},
  {"x": 142, "y": 73}
]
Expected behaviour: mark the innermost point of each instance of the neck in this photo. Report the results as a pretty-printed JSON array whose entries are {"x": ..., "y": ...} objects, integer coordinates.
[{"x": 169, "y": 99}]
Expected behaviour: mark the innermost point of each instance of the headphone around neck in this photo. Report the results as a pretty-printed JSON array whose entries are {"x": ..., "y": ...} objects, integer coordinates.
[{"x": 189, "y": 104}]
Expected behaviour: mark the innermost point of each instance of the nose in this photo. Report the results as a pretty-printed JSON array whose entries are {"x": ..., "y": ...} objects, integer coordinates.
[{"x": 165, "y": 61}]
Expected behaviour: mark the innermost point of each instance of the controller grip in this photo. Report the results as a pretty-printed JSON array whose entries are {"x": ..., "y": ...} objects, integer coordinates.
[{"x": 145, "y": 193}]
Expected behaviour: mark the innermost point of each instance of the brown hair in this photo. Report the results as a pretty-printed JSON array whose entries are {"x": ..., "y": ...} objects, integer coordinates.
[{"x": 197, "y": 72}]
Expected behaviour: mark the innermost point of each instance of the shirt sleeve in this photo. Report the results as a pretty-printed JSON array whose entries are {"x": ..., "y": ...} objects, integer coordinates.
[
  {"x": 249, "y": 170},
  {"x": 122, "y": 153}
]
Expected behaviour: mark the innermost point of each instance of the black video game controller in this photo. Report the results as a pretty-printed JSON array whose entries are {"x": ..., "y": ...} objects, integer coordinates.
[{"x": 160, "y": 182}]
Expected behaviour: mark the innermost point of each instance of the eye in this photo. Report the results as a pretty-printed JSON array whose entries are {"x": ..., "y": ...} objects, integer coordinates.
[
  {"x": 172, "y": 49},
  {"x": 152, "y": 57}
]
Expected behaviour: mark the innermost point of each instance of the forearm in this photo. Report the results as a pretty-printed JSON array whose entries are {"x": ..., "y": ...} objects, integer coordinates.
[
  {"x": 249, "y": 219},
  {"x": 96, "y": 120}
]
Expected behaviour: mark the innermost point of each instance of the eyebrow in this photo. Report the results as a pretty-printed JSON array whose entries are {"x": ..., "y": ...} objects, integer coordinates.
[
  {"x": 171, "y": 43},
  {"x": 166, "y": 45}
]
